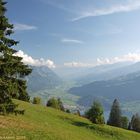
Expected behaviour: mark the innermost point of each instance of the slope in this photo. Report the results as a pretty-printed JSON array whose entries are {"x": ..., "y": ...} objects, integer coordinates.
[
  {"x": 110, "y": 71},
  {"x": 42, "y": 78},
  {"x": 125, "y": 88},
  {"x": 41, "y": 123}
]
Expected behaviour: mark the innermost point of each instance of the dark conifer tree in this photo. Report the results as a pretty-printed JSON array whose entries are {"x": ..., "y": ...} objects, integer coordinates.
[
  {"x": 124, "y": 122},
  {"x": 12, "y": 69},
  {"x": 135, "y": 122},
  {"x": 131, "y": 123},
  {"x": 129, "y": 126},
  {"x": 115, "y": 115}
]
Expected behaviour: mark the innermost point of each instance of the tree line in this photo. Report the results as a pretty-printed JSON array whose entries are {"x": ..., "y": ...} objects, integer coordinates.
[
  {"x": 52, "y": 102},
  {"x": 96, "y": 115}
]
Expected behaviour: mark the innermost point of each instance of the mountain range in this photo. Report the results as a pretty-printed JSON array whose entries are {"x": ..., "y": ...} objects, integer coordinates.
[
  {"x": 110, "y": 71},
  {"x": 109, "y": 85},
  {"x": 104, "y": 83},
  {"x": 42, "y": 78}
]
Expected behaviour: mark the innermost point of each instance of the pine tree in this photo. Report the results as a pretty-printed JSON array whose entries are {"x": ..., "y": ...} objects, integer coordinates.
[
  {"x": 129, "y": 126},
  {"x": 131, "y": 123},
  {"x": 115, "y": 115},
  {"x": 124, "y": 122},
  {"x": 135, "y": 122},
  {"x": 12, "y": 69},
  {"x": 95, "y": 113}
]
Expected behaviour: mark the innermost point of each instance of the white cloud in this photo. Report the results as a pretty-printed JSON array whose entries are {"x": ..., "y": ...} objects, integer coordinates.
[
  {"x": 130, "y": 6},
  {"x": 35, "y": 62},
  {"x": 87, "y": 9},
  {"x": 77, "y": 64},
  {"x": 66, "y": 40},
  {"x": 23, "y": 27},
  {"x": 130, "y": 57}
]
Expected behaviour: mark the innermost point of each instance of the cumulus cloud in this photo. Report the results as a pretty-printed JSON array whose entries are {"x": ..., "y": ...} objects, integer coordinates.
[
  {"x": 66, "y": 40},
  {"x": 130, "y": 6},
  {"x": 34, "y": 62},
  {"x": 130, "y": 57},
  {"x": 23, "y": 27}
]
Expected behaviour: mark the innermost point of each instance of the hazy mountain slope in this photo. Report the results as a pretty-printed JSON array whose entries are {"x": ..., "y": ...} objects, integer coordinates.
[
  {"x": 77, "y": 73},
  {"x": 109, "y": 71},
  {"x": 125, "y": 88},
  {"x": 43, "y": 78},
  {"x": 43, "y": 123}
]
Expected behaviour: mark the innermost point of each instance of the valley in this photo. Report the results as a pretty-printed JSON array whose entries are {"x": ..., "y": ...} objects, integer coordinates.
[{"x": 109, "y": 82}]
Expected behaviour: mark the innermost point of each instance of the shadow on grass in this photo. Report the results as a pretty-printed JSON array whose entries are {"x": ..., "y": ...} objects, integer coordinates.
[
  {"x": 83, "y": 124},
  {"x": 96, "y": 128},
  {"x": 99, "y": 129},
  {"x": 77, "y": 123}
]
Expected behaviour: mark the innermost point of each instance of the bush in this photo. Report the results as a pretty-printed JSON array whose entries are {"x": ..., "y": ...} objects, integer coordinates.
[
  {"x": 95, "y": 113},
  {"x": 68, "y": 111},
  {"x": 7, "y": 108},
  {"x": 17, "y": 111},
  {"x": 55, "y": 103},
  {"x": 60, "y": 104},
  {"x": 36, "y": 100},
  {"x": 78, "y": 113}
]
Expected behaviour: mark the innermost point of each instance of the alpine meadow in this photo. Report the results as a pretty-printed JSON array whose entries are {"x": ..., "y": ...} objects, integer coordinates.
[{"x": 69, "y": 70}]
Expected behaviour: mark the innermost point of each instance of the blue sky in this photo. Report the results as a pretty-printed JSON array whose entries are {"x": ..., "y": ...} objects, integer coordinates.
[{"x": 76, "y": 32}]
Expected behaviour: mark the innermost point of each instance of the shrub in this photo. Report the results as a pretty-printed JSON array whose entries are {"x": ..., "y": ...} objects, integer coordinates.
[
  {"x": 36, "y": 100},
  {"x": 55, "y": 103},
  {"x": 95, "y": 113},
  {"x": 68, "y": 111}
]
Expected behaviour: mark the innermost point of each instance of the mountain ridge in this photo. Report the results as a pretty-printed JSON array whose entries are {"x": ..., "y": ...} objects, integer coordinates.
[{"x": 42, "y": 78}]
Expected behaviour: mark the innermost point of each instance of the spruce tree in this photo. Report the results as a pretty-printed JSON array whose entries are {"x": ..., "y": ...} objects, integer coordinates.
[
  {"x": 12, "y": 69},
  {"x": 135, "y": 122},
  {"x": 124, "y": 122},
  {"x": 115, "y": 115}
]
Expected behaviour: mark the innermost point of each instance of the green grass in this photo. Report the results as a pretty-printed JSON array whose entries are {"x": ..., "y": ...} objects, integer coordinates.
[{"x": 43, "y": 123}]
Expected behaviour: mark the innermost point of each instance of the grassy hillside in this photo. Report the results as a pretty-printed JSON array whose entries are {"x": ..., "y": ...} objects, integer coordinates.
[{"x": 42, "y": 123}]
